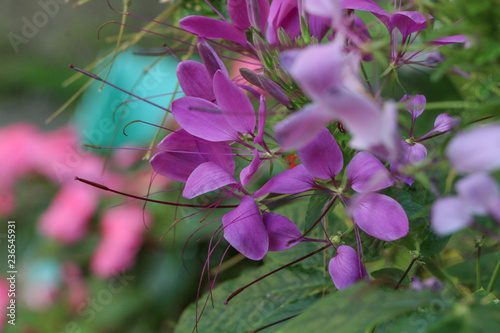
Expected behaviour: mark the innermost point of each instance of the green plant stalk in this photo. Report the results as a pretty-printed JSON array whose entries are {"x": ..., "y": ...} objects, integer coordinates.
[
  {"x": 478, "y": 269},
  {"x": 494, "y": 277}
]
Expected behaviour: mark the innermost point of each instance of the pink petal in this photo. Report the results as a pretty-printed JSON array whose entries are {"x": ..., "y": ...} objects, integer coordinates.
[
  {"x": 476, "y": 149},
  {"x": 367, "y": 174},
  {"x": 66, "y": 220},
  {"x": 302, "y": 126},
  {"x": 245, "y": 230},
  {"x": 207, "y": 177},
  {"x": 284, "y": 14},
  {"x": 213, "y": 29},
  {"x": 194, "y": 80},
  {"x": 234, "y": 104},
  {"x": 346, "y": 268},
  {"x": 122, "y": 230},
  {"x": 449, "y": 214},
  {"x": 202, "y": 119},
  {"x": 322, "y": 156},
  {"x": 281, "y": 231},
  {"x": 368, "y": 6},
  {"x": 380, "y": 216},
  {"x": 290, "y": 181}
]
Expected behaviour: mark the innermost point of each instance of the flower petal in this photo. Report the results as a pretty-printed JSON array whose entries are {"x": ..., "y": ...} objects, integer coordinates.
[
  {"x": 478, "y": 191},
  {"x": 443, "y": 123},
  {"x": 280, "y": 231},
  {"x": 234, "y": 104},
  {"x": 415, "y": 105},
  {"x": 410, "y": 154},
  {"x": 449, "y": 40},
  {"x": 322, "y": 156},
  {"x": 211, "y": 60},
  {"x": 301, "y": 127},
  {"x": 449, "y": 214},
  {"x": 245, "y": 230},
  {"x": 367, "y": 174},
  {"x": 202, "y": 119},
  {"x": 238, "y": 12},
  {"x": 194, "y": 80},
  {"x": 346, "y": 268},
  {"x": 380, "y": 216},
  {"x": 218, "y": 152},
  {"x": 290, "y": 181},
  {"x": 205, "y": 178},
  {"x": 213, "y": 29},
  {"x": 177, "y": 165},
  {"x": 476, "y": 149},
  {"x": 248, "y": 172},
  {"x": 409, "y": 22}
]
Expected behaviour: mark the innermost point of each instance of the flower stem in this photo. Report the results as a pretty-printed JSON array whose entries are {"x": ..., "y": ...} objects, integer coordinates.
[
  {"x": 405, "y": 273},
  {"x": 494, "y": 277}
]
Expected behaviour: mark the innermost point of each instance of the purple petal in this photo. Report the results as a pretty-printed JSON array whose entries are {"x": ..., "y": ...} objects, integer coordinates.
[
  {"x": 238, "y": 13},
  {"x": 324, "y": 8},
  {"x": 302, "y": 126},
  {"x": 282, "y": 13},
  {"x": 194, "y": 80},
  {"x": 248, "y": 172},
  {"x": 202, "y": 119},
  {"x": 258, "y": 12},
  {"x": 409, "y": 22},
  {"x": 211, "y": 60},
  {"x": 290, "y": 181},
  {"x": 319, "y": 26},
  {"x": 281, "y": 231},
  {"x": 207, "y": 177},
  {"x": 346, "y": 268},
  {"x": 448, "y": 215},
  {"x": 220, "y": 153},
  {"x": 213, "y": 29},
  {"x": 449, "y": 40},
  {"x": 177, "y": 166},
  {"x": 476, "y": 149},
  {"x": 478, "y": 191},
  {"x": 245, "y": 230},
  {"x": 234, "y": 104},
  {"x": 264, "y": 8},
  {"x": 322, "y": 156},
  {"x": 443, "y": 123},
  {"x": 380, "y": 216},
  {"x": 318, "y": 68},
  {"x": 262, "y": 121},
  {"x": 273, "y": 89},
  {"x": 369, "y": 6},
  {"x": 410, "y": 154},
  {"x": 415, "y": 105},
  {"x": 367, "y": 174}
]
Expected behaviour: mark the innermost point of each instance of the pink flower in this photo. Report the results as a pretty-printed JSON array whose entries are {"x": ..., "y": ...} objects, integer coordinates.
[{"x": 122, "y": 230}]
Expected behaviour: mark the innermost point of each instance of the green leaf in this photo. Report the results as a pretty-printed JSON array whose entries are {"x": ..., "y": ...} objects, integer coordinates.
[
  {"x": 278, "y": 296},
  {"x": 356, "y": 309}
]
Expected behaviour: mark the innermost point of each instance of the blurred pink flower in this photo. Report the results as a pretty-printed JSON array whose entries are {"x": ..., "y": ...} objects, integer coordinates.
[
  {"x": 122, "y": 235},
  {"x": 69, "y": 213},
  {"x": 75, "y": 281}
]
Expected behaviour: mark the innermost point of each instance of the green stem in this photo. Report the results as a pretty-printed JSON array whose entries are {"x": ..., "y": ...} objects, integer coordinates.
[
  {"x": 478, "y": 269},
  {"x": 494, "y": 277}
]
